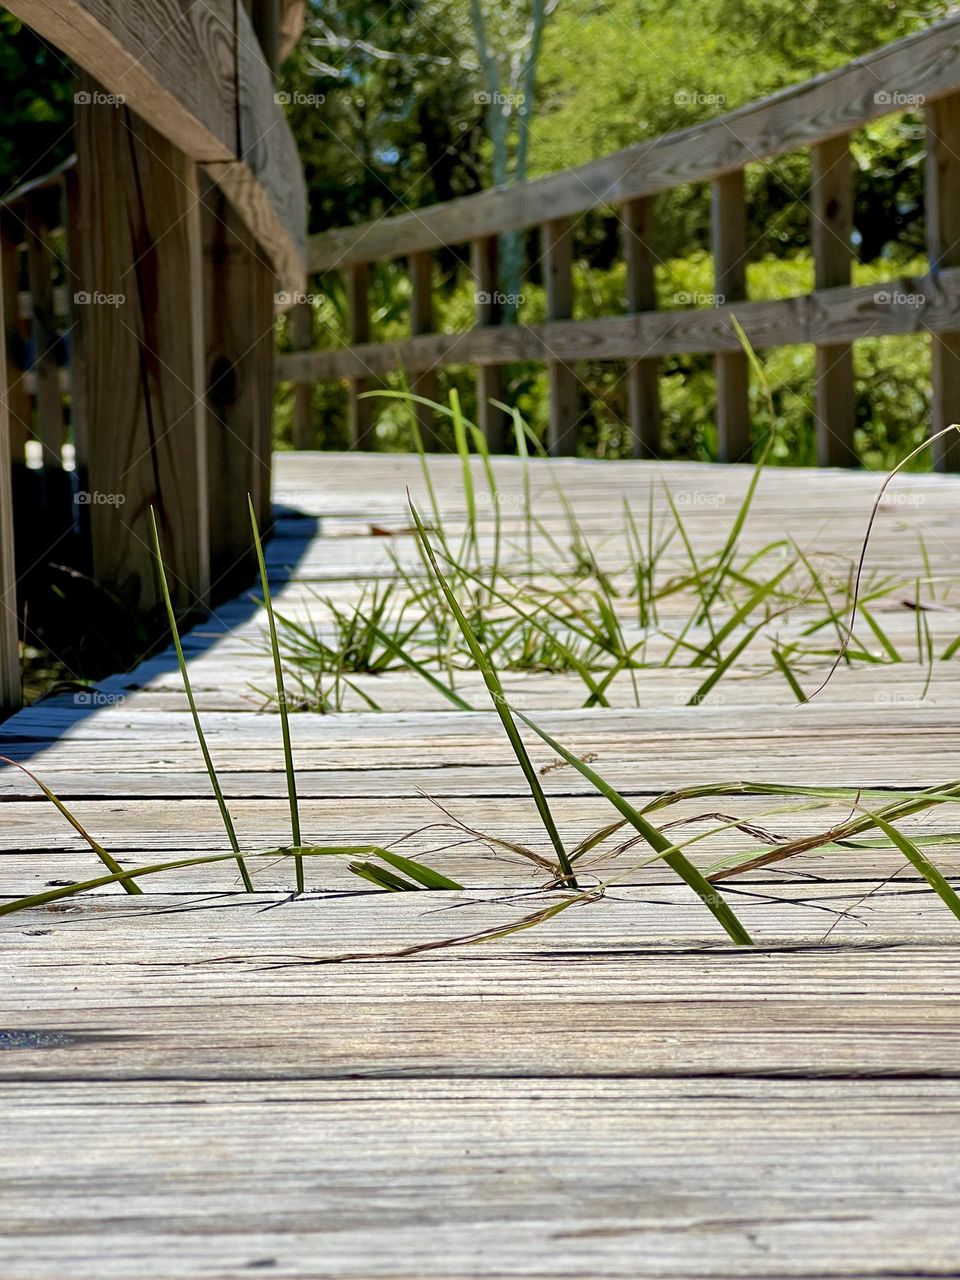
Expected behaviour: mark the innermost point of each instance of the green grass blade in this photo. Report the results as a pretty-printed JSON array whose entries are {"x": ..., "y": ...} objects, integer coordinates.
[
  {"x": 383, "y": 878},
  {"x": 451, "y": 694},
  {"x": 724, "y": 666},
  {"x": 933, "y": 877},
  {"x": 886, "y": 643},
  {"x": 195, "y": 714},
  {"x": 281, "y": 696},
  {"x": 784, "y": 667},
  {"x": 200, "y": 860},
  {"x": 426, "y": 876},
  {"x": 107, "y": 859},
  {"x": 708, "y": 894},
  {"x": 492, "y": 681},
  {"x": 737, "y": 618}
]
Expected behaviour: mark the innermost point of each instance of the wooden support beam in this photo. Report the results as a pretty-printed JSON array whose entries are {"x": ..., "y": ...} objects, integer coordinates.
[
  {"x": 643, "y": 375},
  {"x": 729, "y": 239},
  {"x": 238, "y": 330},
  {"x": 9, "y": 650},
  {"x": 484, "y": 260},
  {"x": 557, "y": 257},
  {"x": 943, "y": 248},
  {"x": 301, "y": 332},
  {"x": 831, "y": 212},
  {"x": 139, "y": 358},
  {"x": 421, "y": 321},
  {"x": 358, "y": 325},
  {"x": 20, "y": 413},
  {"x": 46, "y": 370}
]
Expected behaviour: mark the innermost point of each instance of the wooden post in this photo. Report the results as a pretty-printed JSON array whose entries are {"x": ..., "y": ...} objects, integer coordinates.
[
  {"x": 729, "y": 237},
  {"x": 265, "y": 15},
  {"x": 9, "y": 651},
  {"x": 46, "y": 370},
  {"x": 264, "y": 355},
  {"x": 943, "y": 248},
  {"x": 239, "y": 332},
  {"x": 831, "y": 210},
  {"x": 423, "y": 383},
  {"x": 139, "y": 357},
  {"x": 301, "y": 331},
  {"x": 20, "y": 416},
  {"x": 484, "y": 265},
  {"x": 358, "y": 320},
  {"x": 557, "y": 252},
  {"x": 643, "y": 375}
]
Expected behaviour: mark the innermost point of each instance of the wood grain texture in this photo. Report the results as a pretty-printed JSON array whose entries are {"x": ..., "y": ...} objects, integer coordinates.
[
  {"x": 238, "y": 358},
  {"x": 139, "y": 358},
  {"x": 828, "y": 106},
  {"x": 196, "y": 74},
  {"x": 491, "y": 1177},
  {"x": 831, "y": 213},
  {"x": 556, "y": 256},
  {"x": 484, "y": 267},
  {"x": 643, "y": 376},
  {"x": 172, "y": 63}
]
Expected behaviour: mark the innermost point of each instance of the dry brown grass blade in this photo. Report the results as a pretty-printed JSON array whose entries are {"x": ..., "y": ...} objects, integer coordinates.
[{"x": 845, "y": 644}]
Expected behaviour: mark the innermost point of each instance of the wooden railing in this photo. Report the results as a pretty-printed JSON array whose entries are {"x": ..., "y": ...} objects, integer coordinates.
[
  {"x": 139, "y": 288},
  {"x": 921, "y": 71}
]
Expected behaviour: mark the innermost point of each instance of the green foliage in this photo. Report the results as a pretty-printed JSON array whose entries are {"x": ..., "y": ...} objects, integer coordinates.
[{"x": 37, "y": 93}]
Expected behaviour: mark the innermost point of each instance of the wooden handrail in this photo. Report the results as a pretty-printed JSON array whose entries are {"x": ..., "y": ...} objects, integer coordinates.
[
  {"x": 197, "y": 75},
  {"x": 922, "y": 66},
  {"x": 919, "y": 72}
]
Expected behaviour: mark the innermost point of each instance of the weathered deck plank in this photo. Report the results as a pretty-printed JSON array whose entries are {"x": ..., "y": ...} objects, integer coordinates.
[{"x": 617, "y": 1092}]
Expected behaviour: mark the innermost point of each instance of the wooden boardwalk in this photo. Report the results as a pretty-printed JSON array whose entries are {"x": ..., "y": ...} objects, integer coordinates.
[{"x": 616, "y": 1093}]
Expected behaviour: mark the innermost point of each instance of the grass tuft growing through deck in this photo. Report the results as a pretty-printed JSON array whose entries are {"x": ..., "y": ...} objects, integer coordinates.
[{"x": 470, "y": 604}]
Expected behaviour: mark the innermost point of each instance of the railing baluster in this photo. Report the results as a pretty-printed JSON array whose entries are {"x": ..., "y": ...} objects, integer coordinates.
[
  {"x": 301, "y": 332},
  {"x": 557, "y": 243},
  {"x": 18, "y": 398},
  {"x": 643, "y": 374},
  {"x": 943, "y": 247},
  {"x": 831, "y": 211},
  {"x": 358, "y": 321},
  {"x": 9, "y": 652},
  {"x": 729, "y": 239},
  {"x": 44, "y": 328},
  {"x": 484, "y": 258},
  {"x": 238, "y": 358},
  {"x": 423, "y": 383}
]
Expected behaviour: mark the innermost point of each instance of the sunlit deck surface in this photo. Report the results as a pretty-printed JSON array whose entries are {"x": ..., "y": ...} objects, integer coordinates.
[{"x": 617, "y": 1092}]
